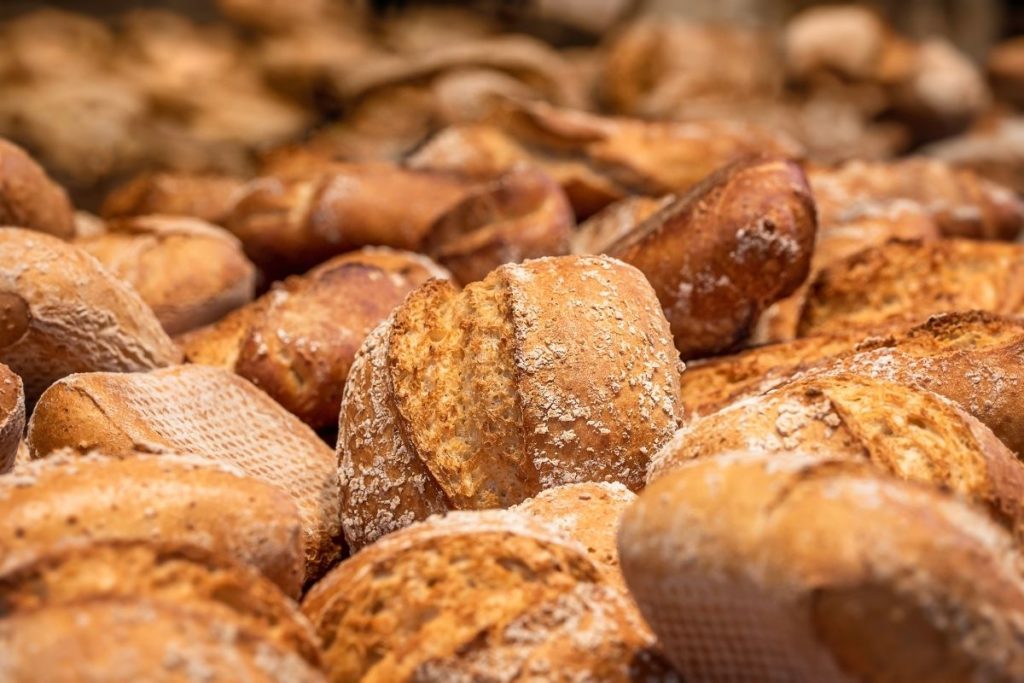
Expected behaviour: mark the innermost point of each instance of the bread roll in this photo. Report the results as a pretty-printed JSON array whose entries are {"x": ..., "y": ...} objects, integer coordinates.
[
  {"x": 604, "y": 228},
  {"x": 907, "y": 431},
  {"x": 190, "y": 273},
  {"x": 763, "y": 567},
  {"x": 206, "y": 197},
  {"x": 12, "y": 417},
  {"x": 175, "y": 499},
  {"x": 557, "y": 370},
  {"x": 428, "y": 590},
  {"x": 905, "y": 282},
  {"x": 187, "y": 578},
  {"x": 62, "y": 313},
  {"x": 120, "y": 641},
  {"x": 298, "y": 341},
  {"x": 202, "y": 411},
  {"x": 29, "y": 198},
  {"x": 701, "y": 251},
  {"x": 523, "y": 214}
]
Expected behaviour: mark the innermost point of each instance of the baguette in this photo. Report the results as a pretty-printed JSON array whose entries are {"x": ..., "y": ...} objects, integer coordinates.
[
  {"x": 202, "y": 411},
  {"x": 906, "y": 282},
  {"x": 298, "y": 341},
  {"x": 557, "y": 370},
  {"x": 190, "y": 273},
  {"x": 701, "y": 251},
  {"x": 787, "y": 567},
  {"x": 176, "y": 499},
  {"x": 904, "y": 430},
  {"x": 12, "y": 417},
  {"x": 607, "y": 226},
  {"x": 521, "y": 215},
  {"x": 55, "y": 300},
  {"x": 29, "y": 198},
  {"x": 208, "y": 198}
]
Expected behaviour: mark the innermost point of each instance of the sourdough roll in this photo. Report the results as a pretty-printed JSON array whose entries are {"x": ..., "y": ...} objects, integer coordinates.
[
  {"x": 29, "y": 198},
  {"x": 788, "y": 567},
  {"x": 721, "y": 254},
  {"x": 12, "y": 417},
  {"x": 189, "y": 272},
  {"x": 204, "y": 197},
  {"x": 298, "y": 341},
  {"x": 61, "y": 312},
  {"x": 905, "y": 430},
  {"x": 557, "y": 370},
  {"x": 176, "y": 499},
  {"x": 202, "y": 411}
]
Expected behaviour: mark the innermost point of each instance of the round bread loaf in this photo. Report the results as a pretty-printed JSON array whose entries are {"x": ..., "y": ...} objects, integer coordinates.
[
  {"x": 190, "y": 579},
  {"x": 790, "y": 567},
  {"x": 29, "y": 198},
  {"x": 430, "y": 589},
  {"x": 298, "y": 341},
  {"x": 202, "y": 411},
  {"x": 206, "y": 197},
  {"x": 907, "y": 431},
  {"x": 61, "y": 312},
  {"x": 12, "y": 417},
  {"x": 553, "y": 371},
  {"x": 126, "y": 641},
  {"x": 189, "y": 272},
  {"x": 171, "y": 498}
]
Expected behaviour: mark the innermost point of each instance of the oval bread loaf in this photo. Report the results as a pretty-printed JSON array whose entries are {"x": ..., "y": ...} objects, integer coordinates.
[
  {"x": 553, "y": 371},
  {"x": 12, "y": 417},
  {"x": 205, "y": 412},
  {"x": 29, "y": 198},
  {"x": 787, "y": 567},
  {"x": 205, "y": 197},
  {"x": 61, "y": 312},
  {"x": 171, "y": 498}
]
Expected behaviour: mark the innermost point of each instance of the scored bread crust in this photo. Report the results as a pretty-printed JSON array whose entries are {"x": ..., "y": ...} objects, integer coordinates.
[
  {"x": 189, "y": 272},
  {"x": 750, "y": 567},
  {"x": 429, "y": 589},
  {"x": 190, "y": 578},
  {"x": 484, "y": 398},
  {"x": 202, "y": 411},
  {"x": 205, "y": 197},
  {"x": 180, "y": 499},
  {"x": 29, "y": 198},
  {"x": 905, "y": 430},
  {"x": 12, "y": 417},
  {"x": 64, "y": 313}
]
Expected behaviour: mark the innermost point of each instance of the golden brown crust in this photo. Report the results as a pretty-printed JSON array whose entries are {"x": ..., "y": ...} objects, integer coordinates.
[
  {"x": 718, "y": 256},
  {"x": 521, "y": 215},
  {"x": 206, "y": 197},
  {"x": 753, "y": 566},
  {"x": 67, "y": 497},
  {"x": 54, "y": 301},
  {"x": 29, "y": 198},
  {"x": 206, "y": 412},
  {"x": 12, "y": 417},
  {"x": 607, "y": 226}
]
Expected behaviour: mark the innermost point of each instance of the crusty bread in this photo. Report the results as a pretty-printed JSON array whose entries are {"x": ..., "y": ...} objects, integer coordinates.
[
  {"x": 553, "y": 371},
  {"x": 298, "y": 341},
  {"x": 787, "y": 567},
  {"x": 12, "y": 417},
  {"x": 63, "y": 313},
  {"x": 189, "y": 578},
  {"x": 202, "y": 411},
  {"x": 189, "y": 272},
  {"x": 719, "y": 255},
  {"x": 428, "y": 590},
  {"x": 125, "y": 641},
  {"x": 179, "y": 499},
  {"x": 607, "y": 226},
  {"x": 522, "y": 214},
  {"x": 905, "y": 282},
  {"x": 907, "y": 431},
  {"x": 29, "y": 198},
  {"x": 205, "y": 197}
]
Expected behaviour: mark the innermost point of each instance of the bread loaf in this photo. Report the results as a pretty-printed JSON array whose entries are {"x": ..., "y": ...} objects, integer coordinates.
[
  {"x": 523, "y": 214},
  {"x": 557, "y": 370},
  {"x": 12, "y": 417},
  {"x": 29, "y": 198},
  {"x": 298, "y": 341},
  {"x": 604, "y": 228},
  {"x": 188, "y": 578},
  {"x": 189, "y": 272},
  {"x": 429, "y": 590},
  {"x": 905, "y": 282},
  {"x": 63, "y": 313},
  {"x": 205, "y": 197},
  {"x": 202, "y": 411},
  {"x": 170, "y": 498},
  {"x": 906, "y": 431},
  {"x": 701, "y": 251},
  {"x": 781, "y": 566}
]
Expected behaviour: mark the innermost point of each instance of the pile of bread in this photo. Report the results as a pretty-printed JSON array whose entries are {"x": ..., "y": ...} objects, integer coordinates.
[{"x": 561, "y": 396}]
